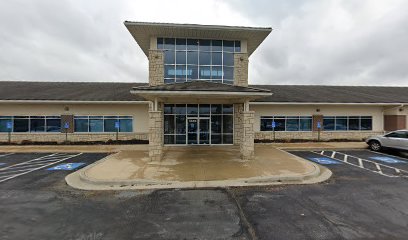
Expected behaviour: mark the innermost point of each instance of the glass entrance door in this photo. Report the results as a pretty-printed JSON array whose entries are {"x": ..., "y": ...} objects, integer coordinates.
[
  {"x": 204, "y": 134},
  {"x": 198, "y": 131},
  {"x": 192, "y": 131}
]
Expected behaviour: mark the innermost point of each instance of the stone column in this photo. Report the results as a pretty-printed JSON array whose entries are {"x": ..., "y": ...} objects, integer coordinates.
[
  {"x": 241, "y": 69},
  {"x": 155, "y": 135},
  {"x": 156, "y": 67},
  {"x": 247, "y": 145},
  {"x": 238, "y": 125}
]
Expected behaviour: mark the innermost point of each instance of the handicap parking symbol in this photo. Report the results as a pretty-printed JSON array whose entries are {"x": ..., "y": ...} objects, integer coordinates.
[
  {"x": 324, "y": 160},
  {"x": 66, "y": 166},
  {"x": 387, "y": 159}
]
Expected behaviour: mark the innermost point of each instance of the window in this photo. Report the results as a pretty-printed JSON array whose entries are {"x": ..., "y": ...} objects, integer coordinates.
[
  {"x": 21, "y": 124},
  {"x": 31, "y": 124},
  {"x": 53, "y": 124},
  {"x": 37, "y": 124},
  {"x": 194, "y": 59},
  {"x": 286, "y": 123},
  {"x": 4, "y": 121},
  {"x": 347, "y": 123},
  {"x": 103, "y": 124},
  {"x": 397, "y": 135},
  {"x": 219, "y": 116}
]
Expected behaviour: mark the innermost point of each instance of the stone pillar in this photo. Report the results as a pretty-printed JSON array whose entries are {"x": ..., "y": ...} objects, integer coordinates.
[
  {"x": 241, "y": 69},
  {"x": 156, "y": 67},
  {"x": 247, "y": 145},
  {"x": 238, "y": 126},
  {"x": 155, "y": 135}
]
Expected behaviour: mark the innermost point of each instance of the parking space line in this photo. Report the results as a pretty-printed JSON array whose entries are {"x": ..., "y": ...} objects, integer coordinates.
[
  {"x": 37, "y": 165},
  {"x": 6, "y": 154},
  {"x": 12, "y": 171},
  {"x": 379, "y": 167}
]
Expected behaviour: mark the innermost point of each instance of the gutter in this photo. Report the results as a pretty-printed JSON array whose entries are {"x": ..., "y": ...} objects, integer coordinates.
[
  {"x": 326, "y": 103},
  {"x": 172, "y": 93},
  {"x": 70, "y": 102}
]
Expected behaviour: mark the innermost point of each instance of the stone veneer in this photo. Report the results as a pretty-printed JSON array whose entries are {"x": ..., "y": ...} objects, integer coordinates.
[
  {"x": 238, "y": 126},
  {"x": 247, "y": 142},
  {"x": 241, "y": 69},
  {"x": 155, "y": 135},
  {"x": 73, "y": 137},
  {"x": 332, "y": 135},
  {"x": 156, "y": 67}
]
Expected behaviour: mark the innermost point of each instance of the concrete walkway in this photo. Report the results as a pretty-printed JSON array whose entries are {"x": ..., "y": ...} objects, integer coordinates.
[
  {"x": 197, "y": 166},
  {"x": 131, "y": 147}
]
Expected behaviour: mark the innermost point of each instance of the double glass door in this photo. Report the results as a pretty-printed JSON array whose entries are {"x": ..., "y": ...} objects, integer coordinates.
[{"x": 198, "y": 130}]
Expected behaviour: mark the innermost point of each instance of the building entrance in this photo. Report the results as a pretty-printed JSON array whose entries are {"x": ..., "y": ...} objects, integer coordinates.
[
  {"x": 198, "y": 130},
  {"x": 198, "y": 124}
]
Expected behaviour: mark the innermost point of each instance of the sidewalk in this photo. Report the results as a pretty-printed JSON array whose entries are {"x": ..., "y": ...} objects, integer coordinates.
[
  {"x": 130, "y": 147},
  {"x": 72, "y": 148},
  {"x": 197, "y": 166}
]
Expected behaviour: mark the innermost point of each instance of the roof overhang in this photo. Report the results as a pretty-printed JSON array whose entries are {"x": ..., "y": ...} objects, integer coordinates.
[
  {"x": 200, "y": 96},
  {"x": 69, "y": 102},
  {"x": 330, "y": 103},
  {"x": 143, "y": 31}
]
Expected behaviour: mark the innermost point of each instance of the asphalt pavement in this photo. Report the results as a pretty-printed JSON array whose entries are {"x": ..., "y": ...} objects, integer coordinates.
[{"x": 354, "y": 204}]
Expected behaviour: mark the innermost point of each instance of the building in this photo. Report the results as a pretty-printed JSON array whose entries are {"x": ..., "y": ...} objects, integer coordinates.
[{"x": 197, "y": 93}]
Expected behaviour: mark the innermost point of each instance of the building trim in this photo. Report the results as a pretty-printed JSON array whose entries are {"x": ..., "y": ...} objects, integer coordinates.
[
  {"x": 169, "y": 93},
  {"x": 70, "y": 102},
  {"x": 325, "y": 103}
]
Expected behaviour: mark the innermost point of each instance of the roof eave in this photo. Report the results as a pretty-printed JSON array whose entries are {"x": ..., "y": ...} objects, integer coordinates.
[{"x": 254, "y": 35}]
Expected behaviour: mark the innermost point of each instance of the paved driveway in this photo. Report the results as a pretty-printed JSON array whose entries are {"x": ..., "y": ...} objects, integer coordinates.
[{"x": 355, "y": 203}]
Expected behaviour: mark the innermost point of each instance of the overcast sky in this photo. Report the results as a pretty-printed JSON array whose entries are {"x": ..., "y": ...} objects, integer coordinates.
[{"x": 355, "y": 42}]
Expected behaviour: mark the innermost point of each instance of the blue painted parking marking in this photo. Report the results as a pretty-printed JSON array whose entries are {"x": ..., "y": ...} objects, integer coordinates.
[
  {"x": 323, "y": 160},
  {"x": 387, "y": 159},
  {"x": 66, "y": 166},
  {"x": 1, "y": 164}
]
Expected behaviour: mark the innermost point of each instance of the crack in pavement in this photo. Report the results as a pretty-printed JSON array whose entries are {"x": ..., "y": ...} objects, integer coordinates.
[{"x": 244, "y": 220}]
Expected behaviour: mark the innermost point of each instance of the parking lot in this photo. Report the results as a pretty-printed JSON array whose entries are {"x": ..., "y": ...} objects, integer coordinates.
[{"x": 360, "y": 201}]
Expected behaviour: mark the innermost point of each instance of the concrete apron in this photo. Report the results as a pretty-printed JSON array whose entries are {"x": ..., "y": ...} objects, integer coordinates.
[{"x": 197, "y": 167}]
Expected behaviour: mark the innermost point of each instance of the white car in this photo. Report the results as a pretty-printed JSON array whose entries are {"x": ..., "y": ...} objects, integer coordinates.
[{"x": 395, "y": 140}]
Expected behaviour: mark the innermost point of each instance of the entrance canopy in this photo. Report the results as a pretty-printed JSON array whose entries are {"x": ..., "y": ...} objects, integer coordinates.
[{"x": 200, "y": 92}]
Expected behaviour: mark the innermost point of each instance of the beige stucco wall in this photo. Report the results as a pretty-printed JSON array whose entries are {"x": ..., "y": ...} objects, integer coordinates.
[
  {"x": 139, "y": 112},
  {"x": 395, "y": 110},
  {"x": 328, "y": 110},
  {"x": 140, "y": 115}
]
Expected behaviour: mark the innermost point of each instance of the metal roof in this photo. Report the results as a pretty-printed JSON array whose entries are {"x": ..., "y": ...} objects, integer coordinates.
[
  {"x": 68, "y": 91},
  {"x": 334, "y": 94},
  {"x": 143, "y": 31},
  {"x": 110, "y": 91}
]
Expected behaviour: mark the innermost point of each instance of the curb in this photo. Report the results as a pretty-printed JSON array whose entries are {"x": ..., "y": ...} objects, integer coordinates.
[{"x": 80, "y": 180}]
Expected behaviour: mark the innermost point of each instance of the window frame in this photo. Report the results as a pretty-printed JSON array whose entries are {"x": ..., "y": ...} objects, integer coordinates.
[
  {"x": 234, "y": 46},
  {"x": 89, "y": 118}
]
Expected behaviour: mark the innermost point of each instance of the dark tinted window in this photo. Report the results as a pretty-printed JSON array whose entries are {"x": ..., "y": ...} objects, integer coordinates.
[{"x": 397, "y": 135}]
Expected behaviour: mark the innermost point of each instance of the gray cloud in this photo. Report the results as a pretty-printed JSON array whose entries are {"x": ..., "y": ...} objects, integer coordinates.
[
  {"x": 330, "y": 42},
  {"x": 314, "y": 42},
  {"x": 63, "y": 41}
]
